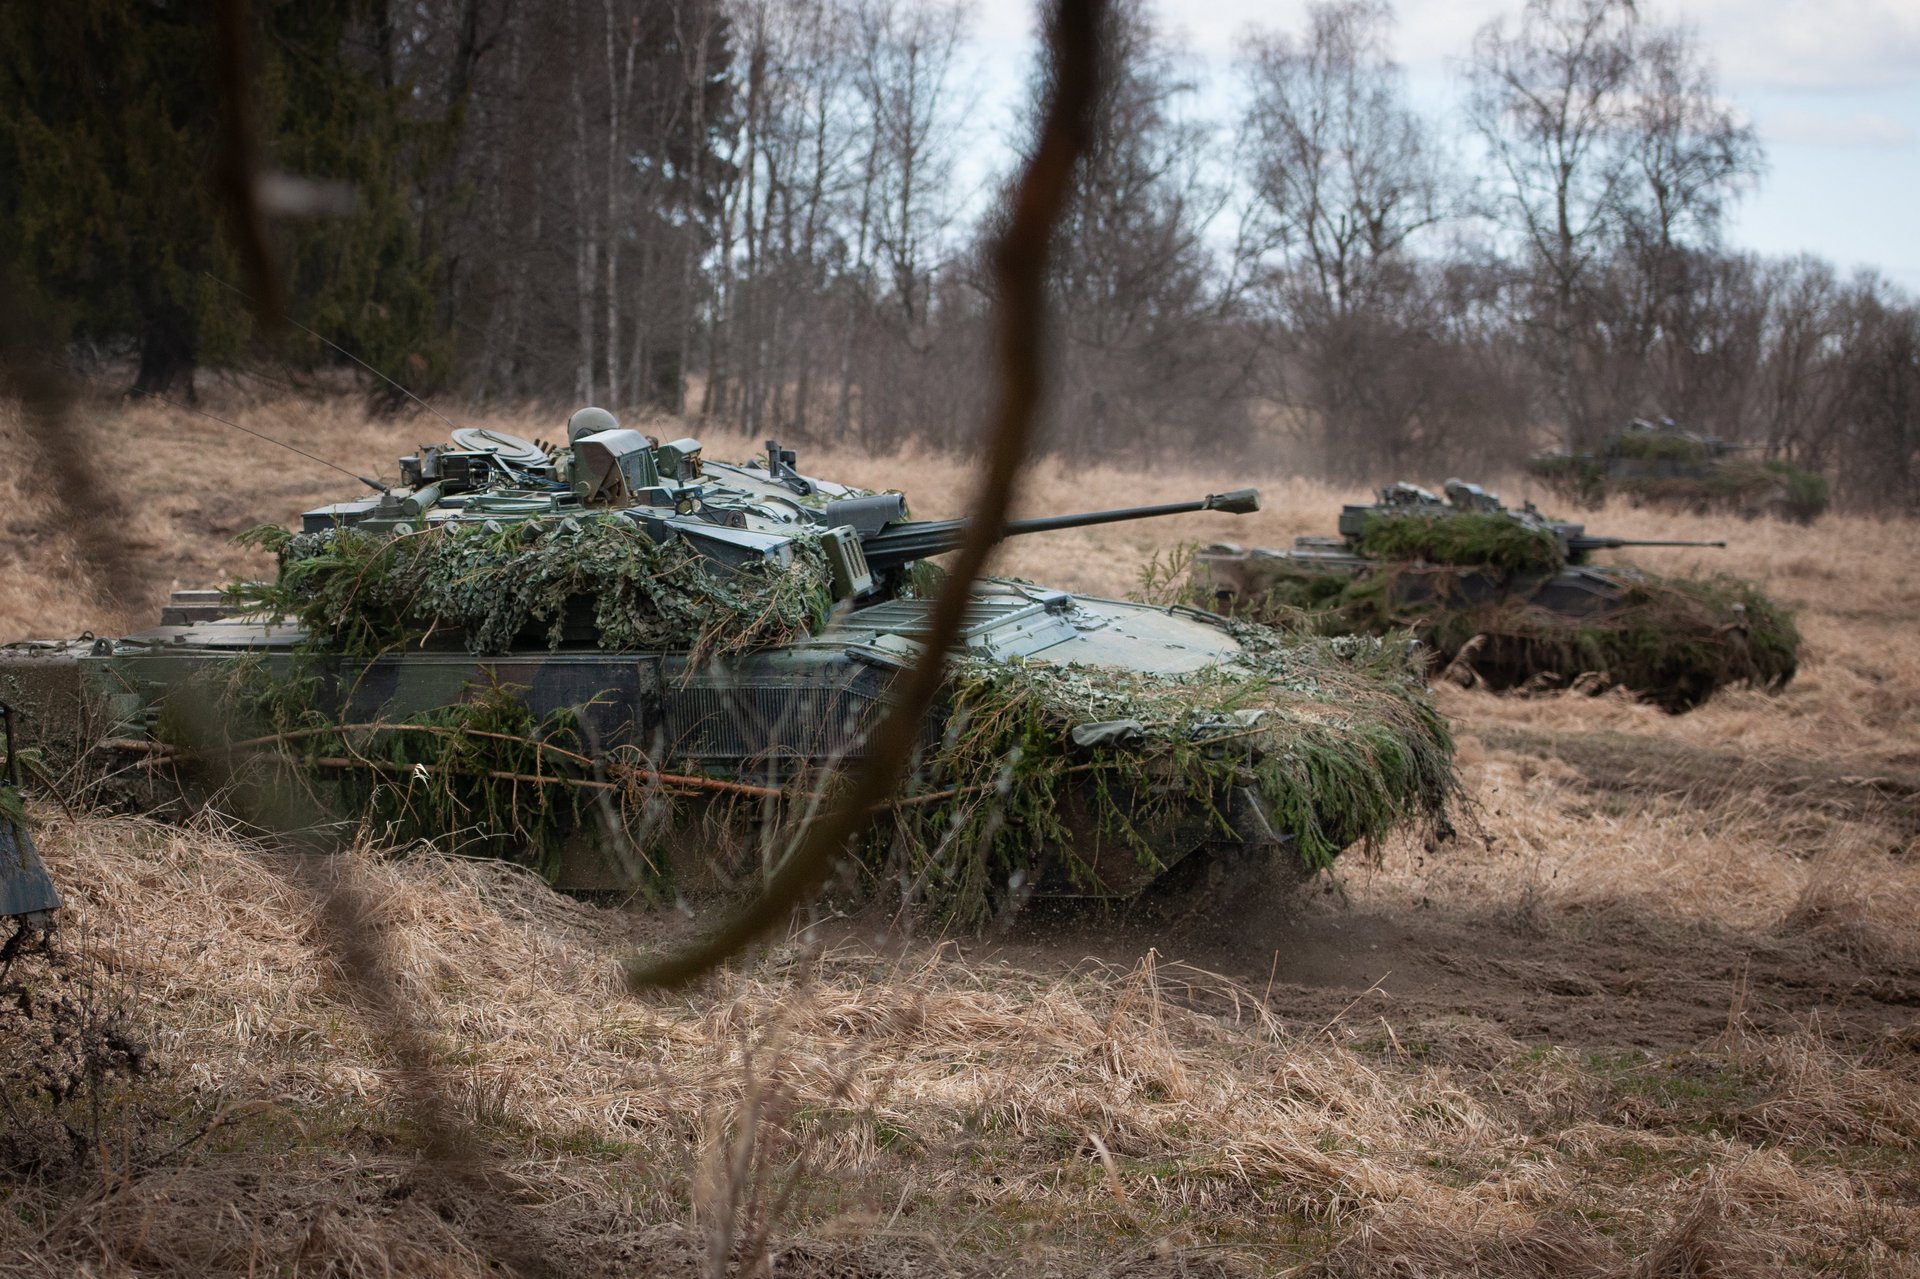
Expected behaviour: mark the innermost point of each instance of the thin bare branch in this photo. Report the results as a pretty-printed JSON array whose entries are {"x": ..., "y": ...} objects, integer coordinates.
[{"x": 1020, "y": 263}]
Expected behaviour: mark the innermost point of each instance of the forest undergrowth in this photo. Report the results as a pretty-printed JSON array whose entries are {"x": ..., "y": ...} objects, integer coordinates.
[{"x": 1651, "y": 1012}]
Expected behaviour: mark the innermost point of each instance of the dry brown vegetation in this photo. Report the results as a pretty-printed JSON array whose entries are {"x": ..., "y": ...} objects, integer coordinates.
[{"x": 1653, "y": 1013}]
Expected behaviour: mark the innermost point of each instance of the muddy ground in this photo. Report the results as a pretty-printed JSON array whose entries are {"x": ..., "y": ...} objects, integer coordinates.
[{"x": 1600, "y": 977}]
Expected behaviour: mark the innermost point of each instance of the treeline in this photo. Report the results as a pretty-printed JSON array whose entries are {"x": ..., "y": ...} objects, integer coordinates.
[{"x": 770, "y": 212}]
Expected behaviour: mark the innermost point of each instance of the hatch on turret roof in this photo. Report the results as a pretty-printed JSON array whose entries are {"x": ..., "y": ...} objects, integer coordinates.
[{"x": 614, "y": 466}]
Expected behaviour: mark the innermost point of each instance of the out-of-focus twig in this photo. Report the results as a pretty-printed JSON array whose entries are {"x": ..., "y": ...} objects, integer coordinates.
[
  {"x": 62, "y": 451},
  {"x": 347, "y": 917},
  {"x": 237, "y": 168},
  {"x": 1020, "y": 268}
]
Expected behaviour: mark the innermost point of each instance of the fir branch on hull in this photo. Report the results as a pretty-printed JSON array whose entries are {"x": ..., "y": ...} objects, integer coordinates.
[
  {"x": 1674, "y": 642},
  {"x": 1680, "y": 474},
  {"x": 1743, "y": 487},
  {"x": 485, "y": 771},
  {"x": 1090, "y": 776}
]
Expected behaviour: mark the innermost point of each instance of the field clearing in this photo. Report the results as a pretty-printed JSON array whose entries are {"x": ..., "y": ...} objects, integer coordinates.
[{"x": 1652, "y": 1012}]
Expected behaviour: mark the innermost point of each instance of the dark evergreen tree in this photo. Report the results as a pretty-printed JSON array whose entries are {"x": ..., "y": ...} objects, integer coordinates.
[{"x": 108, "y": 145}]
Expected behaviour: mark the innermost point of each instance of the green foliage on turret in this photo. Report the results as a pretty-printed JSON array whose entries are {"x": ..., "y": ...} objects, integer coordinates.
[
  {"x": 531, "y": 582},
  {"x": 1472, "y": 538},
  {"x": 1657, "y": 446}
]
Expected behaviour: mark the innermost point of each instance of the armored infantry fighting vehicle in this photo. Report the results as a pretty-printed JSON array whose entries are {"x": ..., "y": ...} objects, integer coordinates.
[
  {"x": 1509, "y": 598},
  {"x": 606, "y": 654},
  {"x": 1660, "y": 464}
]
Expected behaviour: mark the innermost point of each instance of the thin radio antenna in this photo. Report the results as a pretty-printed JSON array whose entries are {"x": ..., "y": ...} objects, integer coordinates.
[
  {"x": 342, "y": 350},
  {"x": 375, "y": 485}
]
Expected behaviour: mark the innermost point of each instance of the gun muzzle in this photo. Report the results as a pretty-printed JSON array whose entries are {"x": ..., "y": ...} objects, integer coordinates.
[{"x": 1238, "y": 502}]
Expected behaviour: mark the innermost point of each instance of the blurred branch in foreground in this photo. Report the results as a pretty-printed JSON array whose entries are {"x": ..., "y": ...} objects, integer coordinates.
[{"x": 1020, "y": 266}]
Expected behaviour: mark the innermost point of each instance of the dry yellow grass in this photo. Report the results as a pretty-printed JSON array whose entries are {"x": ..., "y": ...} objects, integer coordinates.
[
  {"x": 1652, "y": 1013},
  {"x": 974, "y": 1112},
  {"x": 937, "y": 1103}
]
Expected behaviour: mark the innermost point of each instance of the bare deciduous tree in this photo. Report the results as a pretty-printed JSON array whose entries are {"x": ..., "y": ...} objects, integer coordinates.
[
  {"x": 907, "y": 56},
  {"x": 1147, "y": 352},
  {"x": 1547, "y": 101},
  {"x": 1610, "y": 151},
  {"x": 910, "y": 113},
  {"x": 1344, "y": 177},
  {"x": 1342, "y": 170}
]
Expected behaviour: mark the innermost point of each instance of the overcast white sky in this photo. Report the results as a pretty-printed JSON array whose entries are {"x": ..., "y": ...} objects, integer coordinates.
[{"x": 1833, "y": 87}]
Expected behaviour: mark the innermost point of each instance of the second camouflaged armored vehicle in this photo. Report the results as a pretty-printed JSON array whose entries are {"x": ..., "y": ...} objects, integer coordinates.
[
  {"x": 1660, "y": 464},
  {"x": 1508, "y": 598},
  {"x": 605, "y": 656}
]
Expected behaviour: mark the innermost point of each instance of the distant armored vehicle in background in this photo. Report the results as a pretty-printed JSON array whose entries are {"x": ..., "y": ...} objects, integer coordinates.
[
  {"x": 1661, "y": 465},
  {"x": 1509, "y": 599},
  {"x": 596, "y": 657}
]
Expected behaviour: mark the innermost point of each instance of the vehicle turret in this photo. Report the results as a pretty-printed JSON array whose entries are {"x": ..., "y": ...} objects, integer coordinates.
[
  {"x": 1403, "y": 501},
  {"x": 735, "y": 515}
]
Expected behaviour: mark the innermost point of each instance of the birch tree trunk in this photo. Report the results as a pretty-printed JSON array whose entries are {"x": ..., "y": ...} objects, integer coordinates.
[
  {"x": 693, "y": 43},
  {"x": 619, "y": 99},
  {"x": 586, "y": 246}
]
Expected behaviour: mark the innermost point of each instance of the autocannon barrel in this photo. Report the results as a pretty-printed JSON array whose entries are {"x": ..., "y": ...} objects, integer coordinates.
[
  {"x": 902, "y": 543},
  {"x": 1586, "y": 543}
]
